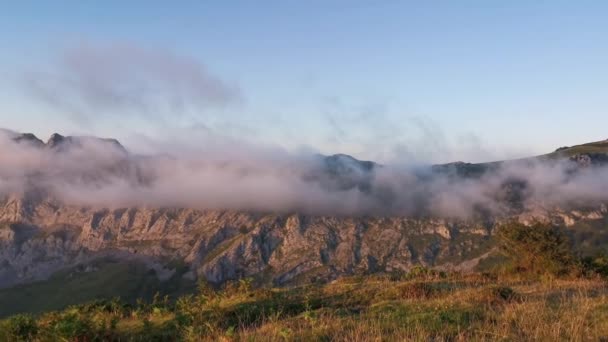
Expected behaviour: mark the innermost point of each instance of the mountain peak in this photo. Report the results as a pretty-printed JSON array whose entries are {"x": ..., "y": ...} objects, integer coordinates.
[
  {"x": 55, "y": 140},
  {"x": 60, "y": 142},
  {"x": 29, "y": 138}
]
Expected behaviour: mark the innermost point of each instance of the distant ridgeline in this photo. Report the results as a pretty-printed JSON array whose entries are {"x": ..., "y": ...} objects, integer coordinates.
[{"x": 336, "y": 216}]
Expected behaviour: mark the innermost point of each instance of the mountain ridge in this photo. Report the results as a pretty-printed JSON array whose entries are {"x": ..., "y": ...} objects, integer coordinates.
[
  {"x": 597, "y": 147},
  {"x": 41, "y": 235}
]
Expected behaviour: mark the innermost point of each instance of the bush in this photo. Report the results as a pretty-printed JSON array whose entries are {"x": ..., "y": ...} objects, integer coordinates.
[
  {"x": 73, "y": 326},
  {"x": 421, "y": 272},
  {"x": 596, "y": 265},
  {"x": 418, "y": 290},
  {"x": 396, "y": 275},
  {"x": 497, "y": 295},
  {"x": 538, "y": 248},
  {"x": 238, "y": 287},
  {"x": 22, "y": 328}
]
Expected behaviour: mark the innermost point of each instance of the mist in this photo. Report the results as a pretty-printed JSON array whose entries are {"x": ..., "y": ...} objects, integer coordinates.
[
  {"x": 89, "y": 171},
  {"x": 202, "y": 166}
]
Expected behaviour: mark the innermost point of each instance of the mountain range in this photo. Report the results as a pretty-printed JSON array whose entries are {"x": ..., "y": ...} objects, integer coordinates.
[{"x": 85, "y": 214}]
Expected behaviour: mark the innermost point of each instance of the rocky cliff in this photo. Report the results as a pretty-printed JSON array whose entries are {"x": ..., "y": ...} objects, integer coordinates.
[
  {"x": 40, "y": 237},
  {"x": 41, "y": 234}
]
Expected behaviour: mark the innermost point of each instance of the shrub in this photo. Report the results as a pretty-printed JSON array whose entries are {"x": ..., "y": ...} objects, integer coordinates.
[
  {"x": 496, "y": 295},
  {"x": 22, "y": 327},
  {"x": 538, "y": 248},
  {"x": 421, "y": 272},
  {"x": 396, "y": 275},
  {"x": 73, "y": 326},
  {"x": 596, "y": 265},
  {"x": 418, "y": 290},
  {"x": 205, "y": 289},
  {"x": 238, "y": 287}
]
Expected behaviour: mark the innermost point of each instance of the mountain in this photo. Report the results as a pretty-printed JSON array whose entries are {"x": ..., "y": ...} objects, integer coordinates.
[
  {"x": 595, "y": 153},
  {"x": 108, "y": 249},
  {"x": 59, "y": 142}
]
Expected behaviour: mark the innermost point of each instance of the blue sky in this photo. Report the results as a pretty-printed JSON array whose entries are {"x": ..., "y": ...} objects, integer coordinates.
[{"x": 386, "y": 80}]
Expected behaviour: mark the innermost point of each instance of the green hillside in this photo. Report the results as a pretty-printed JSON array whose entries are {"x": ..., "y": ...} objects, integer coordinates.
[
  {"x": 476, "y": 169},
  {"x": 589, "y": 148},
  {"x": 425, "y": 306},
  {"x": 109, "y": 279}
]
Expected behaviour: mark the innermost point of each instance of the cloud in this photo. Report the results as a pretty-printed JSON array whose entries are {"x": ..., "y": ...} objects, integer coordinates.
[
  {"x": 89, "y": 81},
  {"x": 238, "y": 176},
  {"x": 127, "y": 89},
  {"x": 205, "y": 167}
]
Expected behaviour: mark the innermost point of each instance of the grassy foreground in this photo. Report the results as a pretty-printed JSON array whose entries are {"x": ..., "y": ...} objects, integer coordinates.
[
  {"x": 421, "y": 306},
  {"x": 540, "y": 288}
]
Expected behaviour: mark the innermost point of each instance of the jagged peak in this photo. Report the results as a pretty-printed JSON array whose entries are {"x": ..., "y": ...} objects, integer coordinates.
[
  {"x": 58, "y": 141},
  {"x": 55, "y": 140},
  {"x": 29, "y": 138}
]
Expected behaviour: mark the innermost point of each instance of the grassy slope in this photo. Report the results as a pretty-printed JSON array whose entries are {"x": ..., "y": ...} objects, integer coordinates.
[
  {"x": 128, "y": 280},
  {"x": 589, "y": 148},
  {"x": 365, "y": 308},
  {"x": 594, "y": 147}
]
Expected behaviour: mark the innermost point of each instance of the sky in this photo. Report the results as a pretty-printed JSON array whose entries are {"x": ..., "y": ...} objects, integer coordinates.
[{"x": 392, "y": 81}]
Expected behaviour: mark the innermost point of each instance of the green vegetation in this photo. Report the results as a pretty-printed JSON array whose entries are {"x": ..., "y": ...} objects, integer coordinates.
[
  {"x": 425, "y": 306},
  {"x": 594, "y": 147},
  {"x": 108, "y": 279},
  {"x": 538, "y": 288},
  {"x": 538, "y": 249},
  {"x": 222, "y": 248}
]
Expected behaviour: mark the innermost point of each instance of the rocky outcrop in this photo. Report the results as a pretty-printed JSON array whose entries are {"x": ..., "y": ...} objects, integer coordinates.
[{"x": 40, "y": 237}]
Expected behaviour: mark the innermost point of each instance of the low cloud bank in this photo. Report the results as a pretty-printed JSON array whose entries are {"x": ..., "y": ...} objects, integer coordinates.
[{"x": 96, "y": 172}]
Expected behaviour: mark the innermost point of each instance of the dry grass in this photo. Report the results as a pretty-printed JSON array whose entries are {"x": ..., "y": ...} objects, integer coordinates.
[
  {"x": 428, "y": 308},
  {"x": 453, "y": 310}
]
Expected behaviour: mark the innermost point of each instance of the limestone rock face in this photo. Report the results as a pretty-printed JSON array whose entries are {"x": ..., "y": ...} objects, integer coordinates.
[
  {"x": 39, "y": 234},
  {"x": 40, "y": 237}
]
